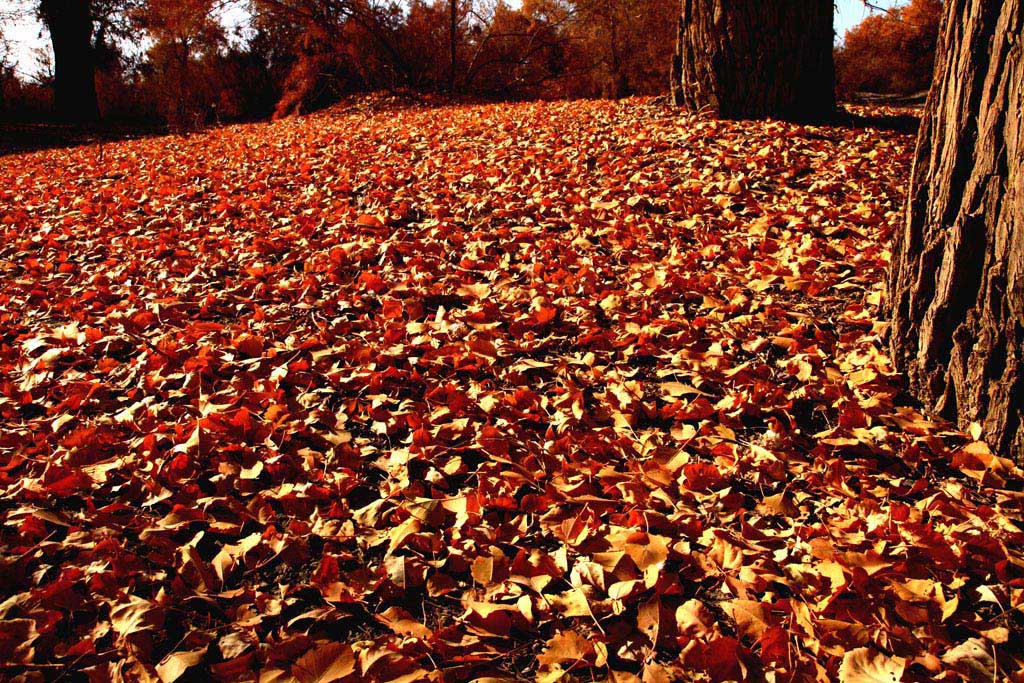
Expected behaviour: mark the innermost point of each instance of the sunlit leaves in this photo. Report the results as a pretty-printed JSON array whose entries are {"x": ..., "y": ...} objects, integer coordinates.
[{"x": 554, "y": 391}]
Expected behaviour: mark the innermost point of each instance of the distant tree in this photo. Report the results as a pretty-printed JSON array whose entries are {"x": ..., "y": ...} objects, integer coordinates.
[
  {"x": 70, "y": 24},
  {"x": 334, "y": 45},
  {"x": 422, "y": 40},
  {"x": 84, "y": 37},
  {"x": 891, "y": 52},
  {"x": 7, "y": 75},
  {"x": 249, "y": 78},
  {"x": 185, "y": 34},
  {"x": 514, "y": 52},
  {"x": 624, "y": 45},
  {"x": 453, "y": 44}
]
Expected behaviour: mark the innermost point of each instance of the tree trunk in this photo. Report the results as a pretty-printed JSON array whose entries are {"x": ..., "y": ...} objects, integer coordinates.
[
  {"x": 453, "y": 43},
  {"x": 956, "y": 286},
  {"x": 739, "y": 59},
  {"x": 70, "y": 25},
  {"x": 619, "y": 86}
]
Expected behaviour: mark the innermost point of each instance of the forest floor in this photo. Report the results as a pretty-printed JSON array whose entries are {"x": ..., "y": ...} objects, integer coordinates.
[{"x": 559, "y": 391}]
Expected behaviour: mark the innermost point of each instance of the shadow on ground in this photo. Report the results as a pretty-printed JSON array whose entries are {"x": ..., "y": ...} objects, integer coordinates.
[
  {"x": 18, "y": 137},
  {"x": 897, "y": 123}
]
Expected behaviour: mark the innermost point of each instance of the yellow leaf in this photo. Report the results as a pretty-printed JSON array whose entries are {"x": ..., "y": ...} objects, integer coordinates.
[
  {"x": 974, "y": 659},
  {"x": 648, "y": 619},
  {"x": 177, "y": 663},
  {"x": 403, "y": 623},
  {"x": 779, "y": 504},
  {"x": 677, "y": 389},
  {"x": 483, "y": 570},
  {"x": 567, "y": 646},
  {"x": 623, "y": 589},
  {"x": 325, "y": 663},
  {"x": 864, "y": 666},
  {"x": 136, "y": 615},
  {"x": 572, "y": 603},
  {"x": 554, "y": 675},
  {"x": 694, "y": 619},
  {"x": 477, "y": 291},
  {"x": 653, "y": 553},
  {"x": 401, "y": 532},
  {"x": 974, "y": 429}
]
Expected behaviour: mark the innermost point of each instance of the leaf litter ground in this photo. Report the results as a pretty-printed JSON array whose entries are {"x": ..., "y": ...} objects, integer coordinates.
[{"x": 589, "y": 391}]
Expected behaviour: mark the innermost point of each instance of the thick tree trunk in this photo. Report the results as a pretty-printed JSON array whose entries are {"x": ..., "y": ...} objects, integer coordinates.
[
  {"x": 741, "y": 59},
  {"x": 70, "y": 25},
  {"x": 956, "y": 287}
]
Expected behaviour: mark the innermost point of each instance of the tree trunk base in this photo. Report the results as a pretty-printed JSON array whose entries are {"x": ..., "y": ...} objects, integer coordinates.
[
  {"x": 753, "y": 60},
  {"x": 956, "y": 286}
]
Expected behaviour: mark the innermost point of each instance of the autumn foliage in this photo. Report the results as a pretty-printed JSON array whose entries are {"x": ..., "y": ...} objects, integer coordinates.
[
  {"x": 192, "y": 63},
  {"x": 586, "y": 391},
  {"x": 891, "y": 52}
]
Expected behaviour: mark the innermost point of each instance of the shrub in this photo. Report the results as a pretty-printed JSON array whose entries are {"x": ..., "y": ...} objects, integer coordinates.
[{"x": 893, "y": 52}]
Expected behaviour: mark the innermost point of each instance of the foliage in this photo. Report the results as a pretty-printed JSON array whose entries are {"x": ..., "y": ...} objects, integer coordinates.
[
  {"x": 892, "y": 52},
  {"x": 584, "y": 391},
  {"x": 622, "y": 47},
  {"x": 17, "y": 97},
  {"x": 186, "y": 39},
  {"x": 177, "y": 61}
]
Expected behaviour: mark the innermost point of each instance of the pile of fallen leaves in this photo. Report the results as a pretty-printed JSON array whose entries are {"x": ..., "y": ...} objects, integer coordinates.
[{"x": 590, "y": 391}]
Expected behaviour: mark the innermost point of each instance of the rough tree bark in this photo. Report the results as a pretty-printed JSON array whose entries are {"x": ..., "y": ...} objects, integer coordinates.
[
  {"x": 70, "y": 25},
  {"x": 956, "y": 286},
  {"x": 739, "y": 59}
]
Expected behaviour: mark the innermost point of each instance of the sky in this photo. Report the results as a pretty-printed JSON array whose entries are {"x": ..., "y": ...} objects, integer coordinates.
[
  {"x": 849, "y": 13},
  {"x": 26, "y": 39}
]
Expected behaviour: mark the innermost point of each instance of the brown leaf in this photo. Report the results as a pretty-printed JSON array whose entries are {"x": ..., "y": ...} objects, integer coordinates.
[{"x": 749, "y": 616}]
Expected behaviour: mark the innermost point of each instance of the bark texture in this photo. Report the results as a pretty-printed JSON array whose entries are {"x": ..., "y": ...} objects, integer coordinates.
[
  {"x": 956, "y": 287},
  {"x": 739, "y": 59},
  {"x": 70, "y": 25}
]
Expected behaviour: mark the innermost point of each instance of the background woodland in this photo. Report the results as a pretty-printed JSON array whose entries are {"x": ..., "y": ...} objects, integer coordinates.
[{"x": 198, "y": 62}]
